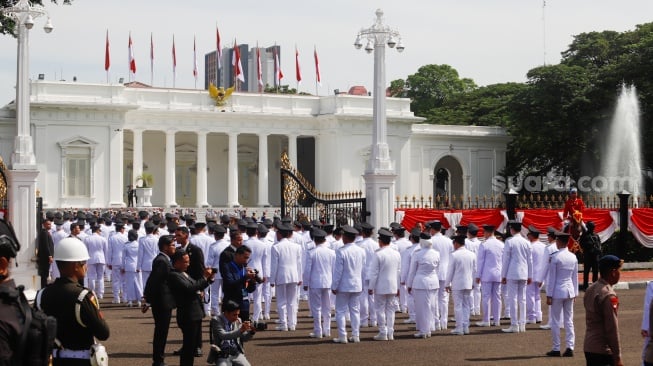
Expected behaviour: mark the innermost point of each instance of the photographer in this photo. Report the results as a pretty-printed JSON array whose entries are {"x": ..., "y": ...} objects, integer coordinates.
[
  {"x": 228, "y": 334},
  {"x": 238, "y": 281}
]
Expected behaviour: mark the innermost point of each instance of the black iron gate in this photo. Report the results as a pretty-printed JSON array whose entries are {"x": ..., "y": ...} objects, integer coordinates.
[
  {"x": 301, "y": 201},
  {"x": 4, "y": 200}
]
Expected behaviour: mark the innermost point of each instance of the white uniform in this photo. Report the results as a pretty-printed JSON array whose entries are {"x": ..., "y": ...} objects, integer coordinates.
[
  {"x": 114, "y": 259},
  {"x": 384, "y": 282},
  {"x": 517, "y": 269},
  {"x": 533, "y": 298},
  {"x": 259, "y": 261},
  {"x": 562, "y": 287},
  {"x": 317, "y": 276},
  {"x": 148, "y": 249},
  {"x": 423, "y": 282},
  {"x": 550, "y": 251},
  {"x": 212, "y": 260},
  {"x": 489, "y": 272},
  {"x": 403, "y": 244},
  {"x": 472, "y": 244},
  {"x": 132, "y": 274},
  {"x": 97, "y": 248},
  {"x": 348, "y": 282},
  {"x": 368, "y": 315},
  {"x": 460, "y": 277},
  {"x": 444, "y": 246},
  {"x": 285, "y": 275},
  {"x": 406, "y": 257}
]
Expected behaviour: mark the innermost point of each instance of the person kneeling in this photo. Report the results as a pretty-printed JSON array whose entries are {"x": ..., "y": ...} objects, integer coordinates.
[{"x": 227, "y": 336}]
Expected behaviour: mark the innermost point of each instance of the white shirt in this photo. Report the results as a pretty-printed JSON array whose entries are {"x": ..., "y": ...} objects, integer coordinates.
[
  {"x": 348, "y": 269},
  {"x": 285, "y": 263},
  {"x": 385, "y": 271},
  {"x": 489, "y": 260},
  {"x": 318, "y": 268},
  {"x": 423, "y": 272},
  {"x": 562, "y": 280},
  {"x": 517, "y": 259},
  {"x": 460, "y": 275}
]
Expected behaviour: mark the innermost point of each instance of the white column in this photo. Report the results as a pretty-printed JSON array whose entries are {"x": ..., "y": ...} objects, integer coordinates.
[
  {"x": 232, "y": 171},
  {"x": 116, "y": 148},
  {"x": 263, "y": 200},
  {"x": 22, "y": 214},
  {"x": 202, "y": 183},
  {"x": 170, "y": 199},
  {"x": 137, "y": 160},
  {"x": 292, "y": 150},
  {"x": 23, "y": 157}
]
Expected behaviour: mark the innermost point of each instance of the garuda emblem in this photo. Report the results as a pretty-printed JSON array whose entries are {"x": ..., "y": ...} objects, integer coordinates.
[{"x": 220, "y": 95}]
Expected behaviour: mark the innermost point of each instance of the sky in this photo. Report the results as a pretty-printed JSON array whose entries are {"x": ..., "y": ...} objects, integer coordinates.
[{"x": 489, "y": 41}]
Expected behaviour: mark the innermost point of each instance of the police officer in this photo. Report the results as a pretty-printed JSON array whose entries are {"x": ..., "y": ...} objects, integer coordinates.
[
  {"x": 75, "y": 307},
  {"x": 11, "y": 326}
]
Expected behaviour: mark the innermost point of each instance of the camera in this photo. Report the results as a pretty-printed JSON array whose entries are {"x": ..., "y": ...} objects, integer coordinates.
[
  {"x": 214, "y": 270},
  {"x": 257, "y": 278},
  {"x": 260, "y": 326}
]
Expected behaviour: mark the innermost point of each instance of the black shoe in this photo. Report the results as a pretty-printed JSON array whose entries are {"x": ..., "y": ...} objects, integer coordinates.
[
  {"x": 198, "y": 352},
  {"x": 568, "y": 353},
  {"x": 553, "y": 354},
  {"x": 177, "y": 352}
]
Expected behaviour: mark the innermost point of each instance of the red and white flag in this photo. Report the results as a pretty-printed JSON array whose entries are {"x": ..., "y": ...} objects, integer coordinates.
[
  {"x": 259, "y": 71},
  {"x": 278, "y": 74},
  {"x": 194, "y": 60},
  {"x": 218, "y": 45},
  {"x": 132, "y": 61},
  {"x": 298, "y": 70},
  {"x": 235, "y": 62},
  {"x": 174, "y": 62},
  {"x": 318, "y": 78},
  {"x": 107, "y": 56}
]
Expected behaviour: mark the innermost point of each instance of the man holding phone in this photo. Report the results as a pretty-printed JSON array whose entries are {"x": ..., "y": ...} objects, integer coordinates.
[{"x": 238, "y": 280}]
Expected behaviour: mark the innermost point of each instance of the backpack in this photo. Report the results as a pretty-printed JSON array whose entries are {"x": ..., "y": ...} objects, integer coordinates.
[{"x": 36, "y": 339}]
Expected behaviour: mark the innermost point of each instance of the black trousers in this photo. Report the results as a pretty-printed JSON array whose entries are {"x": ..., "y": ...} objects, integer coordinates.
[
  {"x": 590, "y": 261},
  {"x": 190, "y": 330},
  {"x": 161, "y": 327},
  {"x": 598, "y": 359}
]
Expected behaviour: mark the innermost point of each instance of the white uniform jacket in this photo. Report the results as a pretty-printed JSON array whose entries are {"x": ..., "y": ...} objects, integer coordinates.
[
  {"x": 286, "y": 263},
  {"x": 517, "y": 259},
  {"x": 348, "y": 269},
  {"x": 462, "y": 268},
  {"x": 562, "y": 281},
  {"x": 318, "y": 269},
  {"x": 488, "y": 260},
  {"x": 384, "y": 271},
  {"x": 444, "y": 246},
  {"x": 423, "y": 272}
]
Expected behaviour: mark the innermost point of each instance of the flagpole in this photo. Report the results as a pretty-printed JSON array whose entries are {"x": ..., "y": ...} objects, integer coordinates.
[{"x": 151, "y": 60}]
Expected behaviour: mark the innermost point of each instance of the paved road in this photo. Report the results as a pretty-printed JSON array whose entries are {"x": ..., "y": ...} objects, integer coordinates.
[{"x": 131, "y": 333}]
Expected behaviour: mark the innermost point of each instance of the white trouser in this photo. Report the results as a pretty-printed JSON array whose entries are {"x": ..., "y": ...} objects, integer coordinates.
[
  {"x": 403, "y": 298},
  {"x": 320, "y": 303},
  {"x": 144, "y": 276},
  {"x": 257, "y": 297},
  {"x": 385, "y": 312},
  {"x": 476, "y": 298},
  {"x": 368, "y": 314},
  {"x": 348, "y": 303},
  {"x": 443, "y": 304},
  {"x": 533, "y": 302},
  {"x": 566, "y": 306},
  {"x": 133, "y": 286},
  {"x": 267, "y": 297},
  {"x": 95, "y": 276},
  {"x": 117, "y": 284},
  {"x": 506, "y": 302},
  {"x": 517, "y": 298},
  {"x": 287, "y": 304},
  {"x": 491, "y": 301},
  {"x": 216, "y": 296},
  {"x": 462, "y": 303},
  {"x": 424, "y": 300}
]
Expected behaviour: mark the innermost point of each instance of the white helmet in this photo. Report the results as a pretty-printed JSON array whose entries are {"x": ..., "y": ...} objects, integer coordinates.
[{"x": 70, "y": 250}]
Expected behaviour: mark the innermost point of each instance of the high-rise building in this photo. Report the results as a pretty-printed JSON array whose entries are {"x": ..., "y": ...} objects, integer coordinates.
[{"x": 225, "y": 78}]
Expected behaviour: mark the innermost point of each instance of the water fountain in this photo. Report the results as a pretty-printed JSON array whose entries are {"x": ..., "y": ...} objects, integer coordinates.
[{"x": 622, "y": 160}]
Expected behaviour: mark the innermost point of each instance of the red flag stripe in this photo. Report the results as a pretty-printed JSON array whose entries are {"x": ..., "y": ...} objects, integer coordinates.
[{"x": 107, "y": 56}]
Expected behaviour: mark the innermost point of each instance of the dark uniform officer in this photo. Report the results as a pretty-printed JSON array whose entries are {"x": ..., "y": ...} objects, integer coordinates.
[
  {"x": 75, "y": 307},
  {"x": 11, "y": 323}
]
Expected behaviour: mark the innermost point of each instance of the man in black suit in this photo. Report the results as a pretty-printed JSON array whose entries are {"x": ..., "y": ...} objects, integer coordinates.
[
  {"x": 131, "y": 195},
  {"x": 46, "y": 251},
  {"x": 227, "y": 255},
  {"x": 190, "y": 310},
  {"x": 157, "y": 294},
  {"x": 195, "y": 271},
  {"x": 239, "y": 281}
]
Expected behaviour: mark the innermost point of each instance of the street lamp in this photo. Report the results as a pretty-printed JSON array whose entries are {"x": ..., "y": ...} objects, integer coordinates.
[
  {"x": 379, "y": 172},
  {"x": 23, "y": 172},
  {"x": 24, "y": 14}
]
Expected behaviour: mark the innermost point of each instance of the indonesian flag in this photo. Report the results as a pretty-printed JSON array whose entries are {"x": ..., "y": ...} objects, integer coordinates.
[
  {"x": 174, "y": 56},
  {"x": 151, "y": 53},
  {"x": 218, "y": 46},
  {"x": 298, "y": 70},
  {"x": 278, "y": 74},
  {"x": 259, "y": 71},
  {"x": 132, "y": 61},
  {"x": 194, "y": 60},
  {"x": 235, "y": 62},
  {"x": 318, "y": 79},
  {"x": 107, "y": 57}
]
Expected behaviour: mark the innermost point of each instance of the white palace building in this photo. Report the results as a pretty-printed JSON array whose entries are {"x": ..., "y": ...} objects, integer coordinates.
[{"x": 93, "y": 140}]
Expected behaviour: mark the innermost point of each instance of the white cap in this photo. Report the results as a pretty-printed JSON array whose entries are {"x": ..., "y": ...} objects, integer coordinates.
[{"x": 70, "y": 250}]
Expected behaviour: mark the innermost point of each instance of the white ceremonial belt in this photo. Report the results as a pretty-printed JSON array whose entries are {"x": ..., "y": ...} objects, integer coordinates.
[{"x": 68, "y": 353}]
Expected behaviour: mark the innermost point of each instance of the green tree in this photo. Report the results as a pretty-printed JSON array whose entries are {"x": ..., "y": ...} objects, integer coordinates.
[
  {"x": 433, "y": 85},
  {"x": 397, "y": 89},
  {"x": 8, "y": 24}
]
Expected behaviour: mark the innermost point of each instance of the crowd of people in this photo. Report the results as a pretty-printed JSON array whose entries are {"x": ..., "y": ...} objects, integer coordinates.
[{"x": 229, "y": 267}]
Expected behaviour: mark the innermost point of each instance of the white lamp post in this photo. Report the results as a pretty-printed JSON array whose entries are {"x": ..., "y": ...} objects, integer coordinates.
[
  {"x": 23, "y": 170},
  {"x": 379, "y": 172}
]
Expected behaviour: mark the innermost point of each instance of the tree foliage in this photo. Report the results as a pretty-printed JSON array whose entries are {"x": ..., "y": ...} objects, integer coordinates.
[
  {"x": 8, "y": 24},
  {"x": 434, "y": 85}
]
